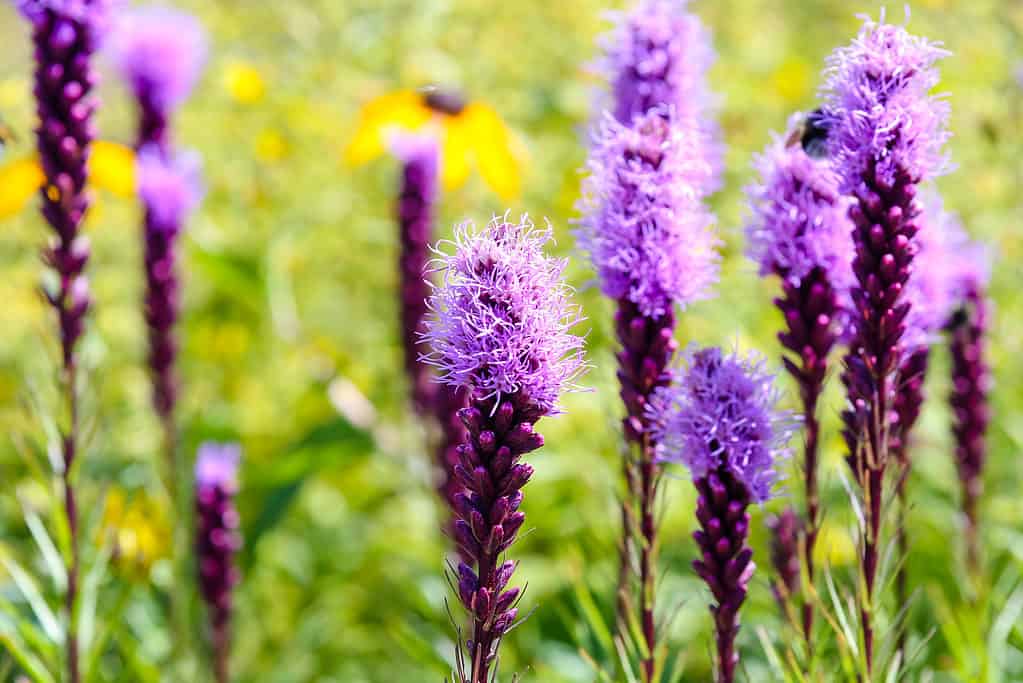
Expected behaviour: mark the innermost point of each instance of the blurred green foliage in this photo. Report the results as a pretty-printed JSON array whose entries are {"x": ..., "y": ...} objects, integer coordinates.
[{"x": 290, "y": 335}]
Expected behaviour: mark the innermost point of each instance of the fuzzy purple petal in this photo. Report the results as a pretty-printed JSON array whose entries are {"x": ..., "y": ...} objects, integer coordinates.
[
  {"x": 657, "y": 57},
  {"x": 721, "y": 411},
  {"x": 170, "y": 189},
  {"x": 159, "y": 52},
  {"x": 798, "y": 220},
  {"x": 882, "y": 120},
  {"x": 216, "y": 465},
  {"x": 502, "y": 316},
  {"x": 646, "y": 229}
]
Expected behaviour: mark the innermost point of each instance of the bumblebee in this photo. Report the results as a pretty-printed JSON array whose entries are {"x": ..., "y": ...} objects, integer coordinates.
[{"x": 812, "y": 135}]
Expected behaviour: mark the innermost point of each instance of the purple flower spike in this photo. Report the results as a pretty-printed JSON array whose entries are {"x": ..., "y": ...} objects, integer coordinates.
[
  {"x": 885, "y": 136},
  {"x": 160, "y": 53},
  {"x": 657, "y": 57},
  {"x": 419, "y": 155},
  {"x": 971, "y": 385},
  {"x": 217, "y": 541},
  {"x": 170, "y": 190},
  {"x": 503, "y": 315},
  {"x": 799, "y": 230},
  {"x": 719, "y": 419},
  {"x": 786, "y": 530},
  {"x": 500, "y": 330},
  {"x": 645, "y": 228},
  {"x": 66, "y": 34}
]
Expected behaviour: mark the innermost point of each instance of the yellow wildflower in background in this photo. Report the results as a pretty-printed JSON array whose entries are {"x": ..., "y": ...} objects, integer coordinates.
[
  {"x": 471, "y": 134},
  {"x": 111, "y": 167},
  {"x": 835, "y": 546},
  {"x": 137, "y": 530},
  {"x": 243, "y": 82}
]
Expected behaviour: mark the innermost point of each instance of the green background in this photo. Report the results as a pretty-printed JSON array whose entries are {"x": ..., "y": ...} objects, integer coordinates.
[{"x": 290, "y": 301}]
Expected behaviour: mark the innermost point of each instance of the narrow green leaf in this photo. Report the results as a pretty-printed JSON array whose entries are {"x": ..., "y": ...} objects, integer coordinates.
[{"x": 35, "y": 600}]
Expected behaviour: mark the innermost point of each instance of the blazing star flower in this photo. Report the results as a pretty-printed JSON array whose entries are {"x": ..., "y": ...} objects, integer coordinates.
[
  {"x": 886, "y": 135},
  {"x": 217, "y": 541},
  {"x": 657, "y": 57},
  {"x": 798, "y": 229},
  {"x": 469, "y": 133},
  {"x": 969, "y": 397},
  {"x": 500, "y": 330},
  {"x": 170, "y": 190},
  {"x": 798, "y": 220},
  {"x": 489, "y": 334},
  {"x": 159, "y": 52},
  {"x": 417, "y": 196},
  {"x": 719, "y": 419},
  {"x": 648, "y": 234}
]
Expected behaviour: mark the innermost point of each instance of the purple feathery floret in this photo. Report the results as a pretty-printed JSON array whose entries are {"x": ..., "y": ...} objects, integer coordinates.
[
  {"x": 657, "y": 57},
  {"x": 798, "y": 218},
  {"x": 883, "y": 124},
  {"x": 502, "y": 316},
  {"x": 170, "y": 190},
  {"x": 160, "y": 52},
  {"x": 500, "y": 330},
  {"x": 719, "y": 419},
  {"x": 719, "y": 413},
  {"x": 645, "y": 227},
  {"x": 217, "y": 540}
]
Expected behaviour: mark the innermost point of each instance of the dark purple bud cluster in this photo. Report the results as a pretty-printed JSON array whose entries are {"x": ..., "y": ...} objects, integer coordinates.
[
  {"x": 65, "y": 41},
  {"x": 487, "y": 516},
  {"x": 648, "y": 346},
  {"x": 217, "y": 540},
  {"x": 971, "y": 382},
  {"x": 726, "y": 561},
  {"x": 786, "y": 529}
]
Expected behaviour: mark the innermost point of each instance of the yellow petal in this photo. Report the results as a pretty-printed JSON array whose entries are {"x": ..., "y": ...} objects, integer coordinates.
[
  {"x": 243, "y": 82},
  {"x": 403, "y": 109},
  {"x": 112, "y": 167},
  {"x": 456, "y": 151},
  {"x": 271, "y": 147},
  {"x": 19, "y": 182},
  {"x": 491, "y": 144}
]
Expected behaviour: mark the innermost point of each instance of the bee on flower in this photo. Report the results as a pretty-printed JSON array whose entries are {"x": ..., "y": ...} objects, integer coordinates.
[{"x": 471, "y": 134}]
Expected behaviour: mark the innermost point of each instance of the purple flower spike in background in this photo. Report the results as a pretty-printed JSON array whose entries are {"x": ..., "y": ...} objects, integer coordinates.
[
  {"x": 718, "y": 418},
  {"x": 651, "y": 240},
  {"x": 798, "y": 230},
  {"x": 657, "y": 57},
  {"x": 217, "y": 541},
  {"x": 500, "y": 331},
  {"x": 420, "y": 157},
  {"x": 885, "y": 136},
  {"x": 160, "y": 53},
  {"x": 971, "y": 385},
  {"x": 170, "y": 190},
  {"x": 66, "y": 34}
]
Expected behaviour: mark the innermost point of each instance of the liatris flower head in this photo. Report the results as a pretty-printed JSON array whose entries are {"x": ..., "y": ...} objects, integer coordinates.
[
  {"x": 160, "y": 52},
  {"x": 93, "y": 12},
  {"x": 786, "y": 529},
  {"x": 502, "y": 316},
  {"x": 657, "y": 57},
  {"x": 170, "y": 188},
  {"x": 798, "y": 220},
  {"x": 645, "y": 228},
  {"x": 720, "y": 412},
  {"x": 880, "y": 115}
]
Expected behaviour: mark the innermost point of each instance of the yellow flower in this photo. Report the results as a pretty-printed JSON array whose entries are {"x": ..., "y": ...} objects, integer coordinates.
[
  {"x": 138, "y": 530},
  {"x": 271, "y": 147},
  {"x": 471, "y": 135},
  {"x": 243, "y": 82},
  {"x": 835, "y": 546},
  {"x": 111, "y": 167}
]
